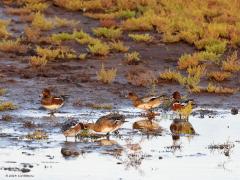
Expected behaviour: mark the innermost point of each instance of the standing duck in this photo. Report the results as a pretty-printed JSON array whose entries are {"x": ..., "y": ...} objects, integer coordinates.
[
  {"x": 183, "y": 109},
  {"x": 107, "y": 124},
  {"x": 71, "y": 128},
  {"x": 50, "y": 102},
  {"x": 147, "y": 103}
]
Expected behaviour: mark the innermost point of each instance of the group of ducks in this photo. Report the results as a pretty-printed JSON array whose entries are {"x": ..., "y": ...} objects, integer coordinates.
[{"x": 113, "y": 121}]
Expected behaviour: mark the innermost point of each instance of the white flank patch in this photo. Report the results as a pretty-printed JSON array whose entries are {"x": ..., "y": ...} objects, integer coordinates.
[{"x": 52, "y": 107}]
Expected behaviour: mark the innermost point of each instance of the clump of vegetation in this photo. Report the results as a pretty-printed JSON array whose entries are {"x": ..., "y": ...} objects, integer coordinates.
[
  {"x": 40, "y": 22},
  {"x": 194, "y": 75},
  {"x": 3, "y": 29},
  {"x": 141, "y": 37},
  {"x": 126, "y": 14},
  {"x": 109, "y": 33},
  {"x": 99, "y": 48},
  {"x": 49, "y": 54},
  {"x": 107, "y": 75},
  {"x": 108, "y": 23},
  {"x": 36, "y": 6},
  {"x": 225, "y": 147},
  {"x": 38, "y": 62},
  {"x": 138, "y": 24},
  {"x": 118, "y": 46},
  {"x": 32, "y": 34},
  {"x": 6, "y": 118},
  {"x": 82, "y": 56},
  {"x": 12, "y": 46},
  {"x": 171, "y": 75},
  {"x": 62, "y": 22},
  {"x": 187, "y": 60},
  {"x": 37, "y": 135},
  {"x": 231, "y": 63},
  {"x": 3, "y": 91},
  {"x": 220, "y": 90},
  {"x": 141, "y": 77},
  {"x": 6, "y": 106},
  {"x": 219, "y": 75},
  {"x": 132, "y": 58}
]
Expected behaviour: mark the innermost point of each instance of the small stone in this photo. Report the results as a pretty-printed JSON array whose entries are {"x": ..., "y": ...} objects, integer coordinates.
[
  {"x": 66, "y": 152},
  {"x": 234, "y": 111},
  {"x": 25, "y": 170}
]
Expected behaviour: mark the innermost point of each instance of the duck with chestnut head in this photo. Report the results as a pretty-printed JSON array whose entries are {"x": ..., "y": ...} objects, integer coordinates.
[{"x": 50, "y": 102}]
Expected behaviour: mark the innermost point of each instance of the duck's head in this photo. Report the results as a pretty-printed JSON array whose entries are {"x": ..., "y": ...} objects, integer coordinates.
[
  {"x": 82, "y": 125},
  {"x": 46, "y": 93},
  {"x": 176, "y": 95},
  {"x": 132, "y": 96}
]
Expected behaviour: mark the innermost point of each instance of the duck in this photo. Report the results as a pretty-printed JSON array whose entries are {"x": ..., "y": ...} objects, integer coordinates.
[
  {"x": 50, "y": 102},
  {"x": 71, "y": 128},
  {"x": 147, "y": 103},
  {"x": 107, "y": 124},
  {"x": 182, "y": 105},
  {"x": 184, "y": 109}
]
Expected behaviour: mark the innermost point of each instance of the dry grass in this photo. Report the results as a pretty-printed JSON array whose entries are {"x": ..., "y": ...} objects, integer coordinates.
[
  {"x": 3, "y": 29},
  {"x": 49, "y": 54},
  {"x": 108, "y": 23},
  {"x": 132, "y": 58},
  {"x": 118, "y": 46},
  {"x": 32, "y": 34},
  {"x": 18, "y": 11},
  {"x": 187, "y": 60},
  {"x": 38, "y": 62},
  {"x": 40, "y": 22},
  {"x": 62, "y": 22},
  {"x": 109, "y": 33},
  {"x": 141, "y": 77},
  {"x": 37, "y": 135},
  {"x": 220, "y": 90},
  {"x": 3, "y": 91},
  {"x": 6, "y": 106},
  {"x": 12, "y": 46},
  {"x": 100, "y": 49},
  {"x": 106, "y": 75},
  {"x": 82, "y": 56},
  {"x": 219, "y": 75},
  {"x": 141, "y": 37},
  {"x": 232, "y": 63},
  {"x": 173, "y": 76}
]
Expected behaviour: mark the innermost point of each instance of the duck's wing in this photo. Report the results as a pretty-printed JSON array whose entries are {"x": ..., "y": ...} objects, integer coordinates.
[
  {"x": 150, "y": 98},
  {"x": 110, "y": 119},
  {"x": 57, "y": 100}
]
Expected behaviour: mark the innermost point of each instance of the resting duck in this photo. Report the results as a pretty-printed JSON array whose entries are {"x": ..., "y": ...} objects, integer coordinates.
[
  {"x": 71, "y": 128},
  {"x": 107, "y": 124},
  {"x": 50, "y": 102}
]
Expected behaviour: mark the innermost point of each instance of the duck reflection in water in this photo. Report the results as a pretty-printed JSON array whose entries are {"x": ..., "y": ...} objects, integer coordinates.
[{"x": 180, "y": 128}]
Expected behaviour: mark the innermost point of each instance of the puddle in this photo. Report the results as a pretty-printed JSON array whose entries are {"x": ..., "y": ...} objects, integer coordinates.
[{"x": 129, "y": 155}]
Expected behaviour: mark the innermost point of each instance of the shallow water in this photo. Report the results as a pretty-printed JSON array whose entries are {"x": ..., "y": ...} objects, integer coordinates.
[{"x": 132, "y": 155}]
